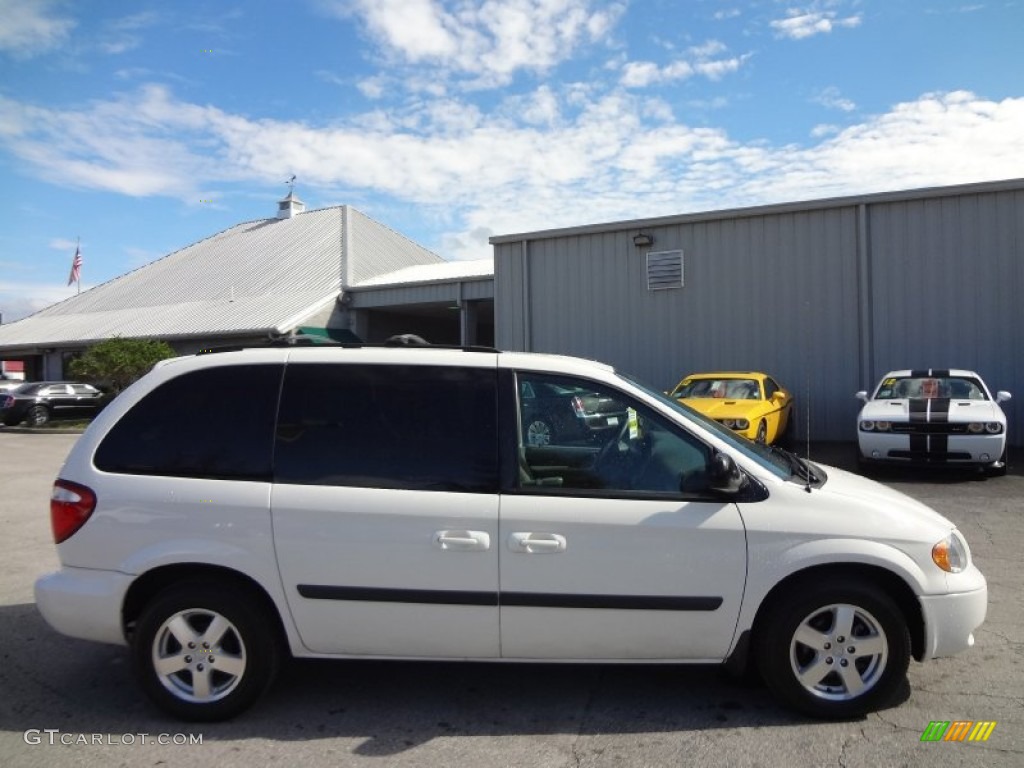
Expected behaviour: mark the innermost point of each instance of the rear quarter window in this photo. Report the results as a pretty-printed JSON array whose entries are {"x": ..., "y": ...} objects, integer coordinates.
[{"x": 213, "y": 423}]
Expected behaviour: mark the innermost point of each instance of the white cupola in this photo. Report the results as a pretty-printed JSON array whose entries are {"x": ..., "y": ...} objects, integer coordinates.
[{"x": 290, "y": 206}]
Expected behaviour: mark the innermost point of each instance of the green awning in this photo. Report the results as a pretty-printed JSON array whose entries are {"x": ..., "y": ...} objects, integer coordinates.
[{"x": 327, "y": 335}]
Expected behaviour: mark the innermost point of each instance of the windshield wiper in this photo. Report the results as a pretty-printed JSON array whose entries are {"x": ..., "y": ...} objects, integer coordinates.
[{"x": 799, "y": 466}]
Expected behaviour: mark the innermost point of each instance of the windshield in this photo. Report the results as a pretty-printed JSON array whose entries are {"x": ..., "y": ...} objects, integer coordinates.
[
  {"x": 930, "y": 387},
  {"x": 772, "y": 460},
  {"x": 731, "y": 389}
]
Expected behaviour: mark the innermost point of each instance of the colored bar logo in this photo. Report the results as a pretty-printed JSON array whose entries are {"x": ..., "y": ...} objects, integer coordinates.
[{"x": 958, "y": 730}]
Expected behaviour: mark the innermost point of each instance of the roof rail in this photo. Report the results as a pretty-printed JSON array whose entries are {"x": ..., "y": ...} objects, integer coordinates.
[{"x": 344, "y": 345}]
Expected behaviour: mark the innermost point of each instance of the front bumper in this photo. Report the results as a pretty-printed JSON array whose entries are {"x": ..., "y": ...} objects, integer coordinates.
[
  {"x": 928, "y": 449},
  {"x": 84, "y": 603},
  {"x": 950, "y": 621}
]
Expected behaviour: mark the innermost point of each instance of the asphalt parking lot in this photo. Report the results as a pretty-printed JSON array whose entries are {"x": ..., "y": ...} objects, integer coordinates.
[{"x": 65, "y": 702}]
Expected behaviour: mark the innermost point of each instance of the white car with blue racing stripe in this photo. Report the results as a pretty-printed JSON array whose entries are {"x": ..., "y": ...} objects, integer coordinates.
[{"x": 933, "y": 416}]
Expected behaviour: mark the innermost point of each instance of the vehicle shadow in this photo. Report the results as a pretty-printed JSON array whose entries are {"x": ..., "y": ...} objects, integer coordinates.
[{"x": 388, "y": 707}]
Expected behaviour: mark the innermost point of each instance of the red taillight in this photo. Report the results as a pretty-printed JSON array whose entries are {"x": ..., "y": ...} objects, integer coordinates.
[{"x": 70, "y": 506}]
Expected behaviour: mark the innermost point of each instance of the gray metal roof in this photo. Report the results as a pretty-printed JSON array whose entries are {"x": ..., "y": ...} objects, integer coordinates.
[
  {"x": 256, "y": 277},
  {"x": 445, "y": 271},
  {"x": 390, "y": 250},
  {"x": 764, "y": 210}
]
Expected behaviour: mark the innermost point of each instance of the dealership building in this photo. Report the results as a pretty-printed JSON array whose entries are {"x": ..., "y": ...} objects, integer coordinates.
[{"x": 825, "y": 295}]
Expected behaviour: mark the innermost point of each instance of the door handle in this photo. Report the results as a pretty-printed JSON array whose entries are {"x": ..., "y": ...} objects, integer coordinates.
[
  {"x": 462, "y": 541},
  {"x": 537, "y": 543}
]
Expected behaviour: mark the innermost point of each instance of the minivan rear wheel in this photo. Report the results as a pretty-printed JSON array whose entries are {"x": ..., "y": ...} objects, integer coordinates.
[
  {"x": 836, "y": 650},
  {"x": 205, "y": 652}
]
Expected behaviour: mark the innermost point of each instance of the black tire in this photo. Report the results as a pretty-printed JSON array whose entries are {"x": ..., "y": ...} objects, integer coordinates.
[
  {"x": 190, "y": 685},
  {"x": 998, "y": 468},
  {"x": 836, "y": 616},
  {"x": 762, "y": 432},
  {"x": 864, "y": 467},
  {"x": 37, "y": 415},
  {"x": 789, "y": 437}
]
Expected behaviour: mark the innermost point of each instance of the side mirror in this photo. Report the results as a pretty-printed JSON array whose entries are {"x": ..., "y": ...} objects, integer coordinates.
[
  {"x": 1002, "y": 396},
  {"x": 862, "y": 396},
  {"x": 724, "y": 475}
]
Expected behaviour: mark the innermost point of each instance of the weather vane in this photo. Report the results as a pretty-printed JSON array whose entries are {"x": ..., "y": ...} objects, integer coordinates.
[{"x": 291, "y": 184}]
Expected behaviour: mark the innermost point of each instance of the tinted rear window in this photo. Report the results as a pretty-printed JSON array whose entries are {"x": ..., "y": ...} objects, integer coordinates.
[
  {"x": 408, "y": 427},
  {"x": 213, "y": 423}
]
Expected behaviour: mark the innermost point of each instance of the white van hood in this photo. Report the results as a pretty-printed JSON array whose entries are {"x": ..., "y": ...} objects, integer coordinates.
[{"x": 853, "y": 486}]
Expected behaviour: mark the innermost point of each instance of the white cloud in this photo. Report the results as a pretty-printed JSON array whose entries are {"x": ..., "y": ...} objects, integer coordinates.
[
  {"x": 31, "y": 28},
  {"x": 642, "y": 74},
  {"x": 832, "y": 98},
  {"x": 541, "y": 108},
  {"x": 545, "y": 159},
  {"x": 639, "y": 74},
  {"x": 63, "y": 244},
  {"x": 486, "y": 40},
  {"x": 800, "y": 24},
  {"x": 21, "y": 299},
  {"x": 708, "y": 49},
  {"x": 372, "y": 87}
]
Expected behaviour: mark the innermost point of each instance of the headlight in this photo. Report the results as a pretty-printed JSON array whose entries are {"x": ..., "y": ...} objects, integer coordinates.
[
  {"x": 951, "y": 554},
  {"x": 883, "y": 426},
  {"x": 867, "y": 426},
  {"x": 993, "y": 427},
  {"x": 742, "y": 423},
  {"x": 729, "y": 423},
  {"x": 975, "y": 428}
]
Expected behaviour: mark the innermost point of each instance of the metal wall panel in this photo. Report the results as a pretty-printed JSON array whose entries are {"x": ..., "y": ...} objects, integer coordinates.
[
  {"x": 826, "y": 297},
  {"x": 425, "y": 293},
  {"x": 761, "y": 293},
  {"x": 946, "y": 274}
]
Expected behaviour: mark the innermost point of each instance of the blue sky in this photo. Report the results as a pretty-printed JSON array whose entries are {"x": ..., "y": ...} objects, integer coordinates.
[{"x": 142, "y": 127}]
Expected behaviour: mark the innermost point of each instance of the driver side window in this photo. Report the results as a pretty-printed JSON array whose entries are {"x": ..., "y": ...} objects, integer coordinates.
[{"x": 579, "y": 435}]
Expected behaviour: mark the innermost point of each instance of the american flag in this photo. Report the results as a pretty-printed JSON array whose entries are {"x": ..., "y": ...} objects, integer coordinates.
[{"x": 76, "y": 267}]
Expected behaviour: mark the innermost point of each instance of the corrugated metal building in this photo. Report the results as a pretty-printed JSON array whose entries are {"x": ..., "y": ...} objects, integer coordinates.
[
  {"x": 826, "y": 295},
  {"x": 302, "y": 270}
]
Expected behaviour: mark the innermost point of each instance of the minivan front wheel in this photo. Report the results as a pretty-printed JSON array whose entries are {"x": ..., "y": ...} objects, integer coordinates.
[
  {"x": 838, "y": 650},
  {"x": 204, "y": 652}
]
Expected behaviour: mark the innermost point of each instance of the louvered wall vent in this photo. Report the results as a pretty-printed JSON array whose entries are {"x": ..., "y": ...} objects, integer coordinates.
[{"x": 664, "y": 270}]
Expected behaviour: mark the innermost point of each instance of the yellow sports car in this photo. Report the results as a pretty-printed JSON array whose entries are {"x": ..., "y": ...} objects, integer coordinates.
[{"x": 752, "y": 404}]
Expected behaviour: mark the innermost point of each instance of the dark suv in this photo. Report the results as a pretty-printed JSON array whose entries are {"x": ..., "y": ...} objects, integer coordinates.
[{"x": 40, "y": 401}]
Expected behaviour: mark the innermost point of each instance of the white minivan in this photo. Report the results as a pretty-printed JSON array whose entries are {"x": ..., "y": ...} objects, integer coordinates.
[{"x": 233, "y": 507}]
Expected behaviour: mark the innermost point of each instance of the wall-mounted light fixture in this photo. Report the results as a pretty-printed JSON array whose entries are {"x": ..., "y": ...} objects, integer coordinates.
[{"x": 641, "y": 240}]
